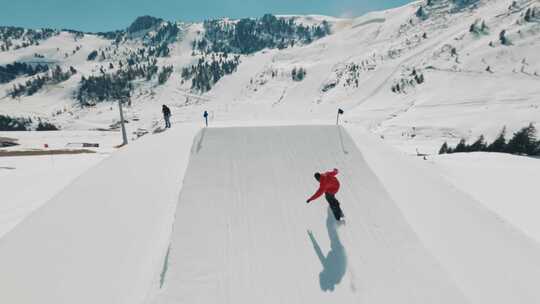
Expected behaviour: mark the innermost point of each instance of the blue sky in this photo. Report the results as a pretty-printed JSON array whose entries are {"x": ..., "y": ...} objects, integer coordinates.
[{"x": 104, "y": 15}]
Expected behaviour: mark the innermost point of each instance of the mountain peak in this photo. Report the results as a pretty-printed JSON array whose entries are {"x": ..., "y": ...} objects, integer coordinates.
[{"x": 143, "y": 23}]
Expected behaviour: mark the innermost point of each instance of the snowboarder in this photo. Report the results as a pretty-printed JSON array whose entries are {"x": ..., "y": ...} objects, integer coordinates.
[
  {"x": 329, "y": 185},
  {"x": 166, "y": 115},
  {"x": 205, "y": 115}
]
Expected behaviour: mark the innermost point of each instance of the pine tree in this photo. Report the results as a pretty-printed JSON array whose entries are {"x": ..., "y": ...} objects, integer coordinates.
[
  {"x": 484, "y": 28},
  {"x": 421, "y": 13},
  {"x": 503, "y": 39},
  {"x": 165, "y": 74},
  {"x": 479, "y": 145},
  {"x": 46, "y": 126},
  {"x": 472, "y": 28},
  {"x": 499, "y": 145},
  {"x": 524, "y": 141},
  {"x": 461, "y": 146},
  {"x": 444, "y": 148},
  {"x": 301, "y": 74},
  {"x": 528, "y": 15},
  {"x": 92, "y": 55}
]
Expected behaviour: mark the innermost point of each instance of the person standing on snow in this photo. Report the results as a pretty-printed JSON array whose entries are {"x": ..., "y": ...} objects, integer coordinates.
[
  {"x": 205, "y": 115},
  {"x": 166, "y": 115},
  {"x": 329, "y": 185}
]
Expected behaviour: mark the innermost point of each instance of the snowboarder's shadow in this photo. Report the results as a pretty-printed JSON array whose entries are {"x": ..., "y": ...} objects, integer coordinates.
[
  {"x": 335, "y": 262},
  {"x": 159, "y": 130}
]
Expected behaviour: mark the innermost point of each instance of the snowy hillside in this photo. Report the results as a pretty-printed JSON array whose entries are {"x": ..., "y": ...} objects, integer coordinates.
[
  {"x": 218, "y": 214},
  {"x": 419, "y": 75},
  {"x": 241, "y": 232}
]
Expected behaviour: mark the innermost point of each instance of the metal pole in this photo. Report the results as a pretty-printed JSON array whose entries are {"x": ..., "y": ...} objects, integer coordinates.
[
  {"x": 339, "y": 112},
  {"x": 124, "y": 135}
]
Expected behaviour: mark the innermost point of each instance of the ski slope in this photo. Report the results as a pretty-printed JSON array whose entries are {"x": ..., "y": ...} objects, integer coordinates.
[
  {"x": 240, "y": 232},
  {"x": 219, "y": 216},
  {"x": 28, "y": 182},
  {"x": 100, "y": 239},
  {"x": 243, "y": 232},
  {"x": 479, "y": 173},
  {"x": 354, "y": 68}
]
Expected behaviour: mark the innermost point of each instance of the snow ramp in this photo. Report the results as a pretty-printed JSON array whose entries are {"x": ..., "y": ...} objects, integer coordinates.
[
  {"x": 243, "y": 232},
  {"x": 101, "y": 239}
]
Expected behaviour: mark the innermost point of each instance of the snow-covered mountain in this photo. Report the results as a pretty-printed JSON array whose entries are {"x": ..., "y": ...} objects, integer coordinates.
[
  {"x": 418, "y": 75},
  {"x": 219, "y": 214}
]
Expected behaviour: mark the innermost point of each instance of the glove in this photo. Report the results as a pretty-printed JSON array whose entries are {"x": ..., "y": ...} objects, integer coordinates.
[{"x": 307, "y": 202}]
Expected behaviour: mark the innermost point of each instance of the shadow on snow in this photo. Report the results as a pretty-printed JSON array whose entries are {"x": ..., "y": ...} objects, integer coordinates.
[{"x": 335, "y": 262}]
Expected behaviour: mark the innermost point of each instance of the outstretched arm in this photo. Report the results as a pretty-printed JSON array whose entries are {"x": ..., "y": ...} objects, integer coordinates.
[{"x": 316, "y": 195}]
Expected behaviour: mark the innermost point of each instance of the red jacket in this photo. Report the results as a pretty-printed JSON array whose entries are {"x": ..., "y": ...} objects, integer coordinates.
[{"x": 328, "y": 184}]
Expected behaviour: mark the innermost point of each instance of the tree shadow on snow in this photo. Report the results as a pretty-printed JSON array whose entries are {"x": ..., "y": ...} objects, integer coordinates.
[{"x": 335, "y": 262}]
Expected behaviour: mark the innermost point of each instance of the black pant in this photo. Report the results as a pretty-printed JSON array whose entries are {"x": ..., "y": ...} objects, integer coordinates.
[{"x": 334, "y": 205}]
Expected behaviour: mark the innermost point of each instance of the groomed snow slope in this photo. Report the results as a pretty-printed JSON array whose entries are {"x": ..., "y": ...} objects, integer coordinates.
[
  {"x": 489, "y": 259},
  {"x": 481, "y": 173},
  {"x": 100, "y": 240},
  {"x": 242, "y": 232},
  {"x": 30, "y": 181}
]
